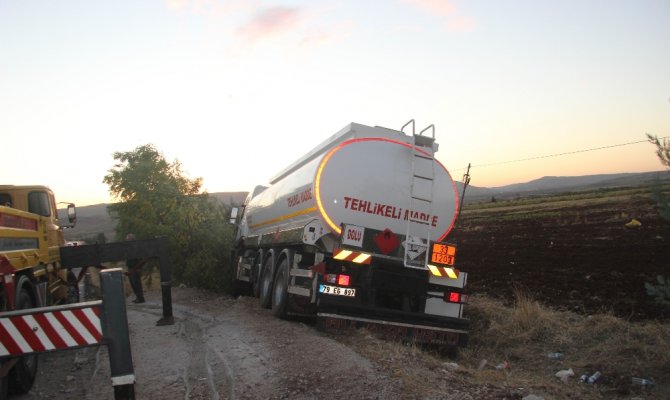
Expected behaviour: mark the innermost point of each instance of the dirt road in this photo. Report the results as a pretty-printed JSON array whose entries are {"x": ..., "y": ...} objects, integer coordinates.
[
  {"x": 218, "y": 348},
  {"x": 224, "y": 348}
]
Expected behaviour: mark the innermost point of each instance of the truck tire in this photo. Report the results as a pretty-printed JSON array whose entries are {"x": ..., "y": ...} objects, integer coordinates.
[
  {"x": 22, "y": 376},
  {"x": 3, "y": 388},
  {"x": 266, "y": 283},
  {"x": 255, "y": 279},
  {"x": 235, "y": 285},
  {"x": 280, "y": 290}
]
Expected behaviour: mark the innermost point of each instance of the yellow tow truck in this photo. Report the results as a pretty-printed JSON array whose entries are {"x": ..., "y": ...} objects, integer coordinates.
[{"x": 31, "y": 274}]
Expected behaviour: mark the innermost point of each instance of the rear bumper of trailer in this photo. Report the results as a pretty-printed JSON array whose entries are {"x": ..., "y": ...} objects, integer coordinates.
[{"x": 392, "y": 324}]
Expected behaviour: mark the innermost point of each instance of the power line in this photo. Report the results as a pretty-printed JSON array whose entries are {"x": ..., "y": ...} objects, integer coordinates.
[{"x": 563, "y": 154}]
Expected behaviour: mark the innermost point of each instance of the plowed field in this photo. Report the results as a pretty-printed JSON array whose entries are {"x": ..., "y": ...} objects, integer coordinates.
[{"x": 577, "y": 252}]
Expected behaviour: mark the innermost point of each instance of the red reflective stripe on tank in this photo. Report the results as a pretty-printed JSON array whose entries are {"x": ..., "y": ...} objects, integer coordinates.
[
  {"x": 456, "y": 208},
  {"x": 317, "y": 188}
]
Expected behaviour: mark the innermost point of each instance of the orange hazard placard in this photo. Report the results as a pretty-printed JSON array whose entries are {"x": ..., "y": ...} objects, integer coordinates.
[{"x": 442, "y": 253}]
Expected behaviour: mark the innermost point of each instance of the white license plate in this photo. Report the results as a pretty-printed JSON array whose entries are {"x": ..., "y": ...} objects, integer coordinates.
[{"x": 338, "y": 291}]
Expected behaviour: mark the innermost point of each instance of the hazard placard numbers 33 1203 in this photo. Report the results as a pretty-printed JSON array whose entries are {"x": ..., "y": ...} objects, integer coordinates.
[{"x": 443, "y": 254}]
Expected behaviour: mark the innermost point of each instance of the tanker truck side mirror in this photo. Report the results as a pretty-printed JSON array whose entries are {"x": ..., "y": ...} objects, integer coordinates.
[{"x": 233, "y": 215}]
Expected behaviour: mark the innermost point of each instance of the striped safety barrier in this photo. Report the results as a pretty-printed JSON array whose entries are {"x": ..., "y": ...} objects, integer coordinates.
[
  {"x": 95, "y": 323},
  {"x": 51, "y": 329}
]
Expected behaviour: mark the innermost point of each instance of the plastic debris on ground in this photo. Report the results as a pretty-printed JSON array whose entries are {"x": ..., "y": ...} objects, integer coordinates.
[
  {"x": 565, "y": 374},
  {"x": 594, "y": 378},
  {"x": 503, "y": 365},
  {"x": 647, "y": 383},
  {"x": 451, "y": 366}
]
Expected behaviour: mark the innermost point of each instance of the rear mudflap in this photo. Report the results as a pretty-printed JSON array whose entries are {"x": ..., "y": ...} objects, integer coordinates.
[{"x": 420, "y": 332}]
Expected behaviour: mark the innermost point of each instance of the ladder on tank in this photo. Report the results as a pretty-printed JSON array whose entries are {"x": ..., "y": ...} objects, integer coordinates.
[{"x": 422, "y": 188}]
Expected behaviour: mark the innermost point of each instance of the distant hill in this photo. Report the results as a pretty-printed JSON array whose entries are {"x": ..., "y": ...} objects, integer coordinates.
[
  {"x": 557, "y": 184},
  {"x": 91, "y": 220}
]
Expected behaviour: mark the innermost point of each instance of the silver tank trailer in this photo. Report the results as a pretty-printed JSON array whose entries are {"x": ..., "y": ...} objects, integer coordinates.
[{"x": 362, "y": 176}]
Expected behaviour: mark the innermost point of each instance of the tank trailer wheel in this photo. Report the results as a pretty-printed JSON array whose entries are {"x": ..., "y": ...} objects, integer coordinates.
[
  {"x": 280, "y": 291},
  {"x": 255, "y": 279},
  {"x": 237, "y": 287},
  {"x": 22, "y": 376},
  {"x": 266, "y": 284}
]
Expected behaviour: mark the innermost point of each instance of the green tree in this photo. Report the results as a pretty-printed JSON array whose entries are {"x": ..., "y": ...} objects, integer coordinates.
[
  {"x": 662, "y": 148},
  {"x": 661, "y": 291},
  {"x": 156, "y": 199},
  {"x": 663, "y": 153}
]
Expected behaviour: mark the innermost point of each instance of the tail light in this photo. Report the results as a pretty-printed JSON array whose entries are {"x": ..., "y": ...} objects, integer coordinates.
[
  {"x": 455, "y": 297},
  {"x": 339, "y": 279},
  {"x": 343, "y": 280}
]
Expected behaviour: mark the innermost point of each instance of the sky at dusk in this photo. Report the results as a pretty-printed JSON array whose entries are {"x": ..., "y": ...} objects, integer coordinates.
[{"x": 237, "y": 90}]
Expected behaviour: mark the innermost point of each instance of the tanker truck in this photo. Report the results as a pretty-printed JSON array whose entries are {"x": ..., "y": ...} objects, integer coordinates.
[{"x": 355, "y": 232}]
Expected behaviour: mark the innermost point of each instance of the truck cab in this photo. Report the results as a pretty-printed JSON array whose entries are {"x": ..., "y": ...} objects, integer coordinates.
[
  {"x": 30, "y": 240},
  {"x": 39, "y": 200}
]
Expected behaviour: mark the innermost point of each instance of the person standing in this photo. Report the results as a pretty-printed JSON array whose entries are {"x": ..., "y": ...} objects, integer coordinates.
[{"x": 135, "y": 274}]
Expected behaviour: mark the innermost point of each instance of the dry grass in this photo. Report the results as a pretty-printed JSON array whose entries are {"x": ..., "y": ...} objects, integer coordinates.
[
  {"x": 523, "y": 335},
  {"x": 526, "y": 333}
]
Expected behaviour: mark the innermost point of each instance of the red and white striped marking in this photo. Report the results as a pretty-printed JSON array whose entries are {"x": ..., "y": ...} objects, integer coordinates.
[
  {"x": 451, "y": 273},
  {"x": 45, "y": 331},
  {"x": 353, "y": 256}
]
